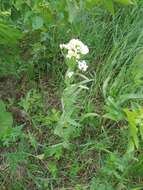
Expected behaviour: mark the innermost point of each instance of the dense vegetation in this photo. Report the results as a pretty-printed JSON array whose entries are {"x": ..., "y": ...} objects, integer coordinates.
[{"x": 71, "y": 95}]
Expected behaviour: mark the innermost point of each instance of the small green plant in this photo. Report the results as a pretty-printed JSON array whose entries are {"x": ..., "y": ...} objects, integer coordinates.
[
  {"x": 32, "y": 105},
  {"x": 115, "y": 168}
]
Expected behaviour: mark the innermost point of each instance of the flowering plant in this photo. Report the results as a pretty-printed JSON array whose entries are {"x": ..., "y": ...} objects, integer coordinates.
[{"x": 74, "y": 52}]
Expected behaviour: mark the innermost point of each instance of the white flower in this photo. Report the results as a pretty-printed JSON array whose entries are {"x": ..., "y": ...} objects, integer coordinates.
[
  {"x": 84, "y": 50},
  {"x": 81, "y": 47},
  {"x": 76, "y": 44},
  {"x": 82, "y": 65},
  {"x": 70, "y": 74},
  {"x": 75, "y": 48}
]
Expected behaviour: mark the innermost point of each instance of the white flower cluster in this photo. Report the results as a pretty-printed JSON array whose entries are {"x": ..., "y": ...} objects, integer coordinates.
[{"x": 75, "y": 50}]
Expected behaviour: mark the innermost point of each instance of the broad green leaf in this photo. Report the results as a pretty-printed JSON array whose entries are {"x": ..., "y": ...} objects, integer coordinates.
[
  {"x": 109, "y": 5},
  {"x": 133, "y": 130},
  {"x": 91, "y": 3},
  {"x": 37, "y": 22},
  {"x": 131, "y": 146}
]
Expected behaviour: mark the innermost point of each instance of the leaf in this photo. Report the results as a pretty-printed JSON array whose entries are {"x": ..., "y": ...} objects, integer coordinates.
[
  {"x": 87, "y": 115},
  {"x": 138, "y": 187},
  {"x": 113, "y": 110},
  {"x": 52, "y": 168},
  {"x": 131, "y": 146},
  {"x": 37, "y": 22},
  {"x": 126, "y": 97},
  {"x": 40, "y": 156},
  {"x": 126, "y": 2},
  {"x": 6, "y": 120},
  {"x": 141, "y": 130},
  {"x": 54, "y": 150},
  {"x": 136, "y": 69},
  {"x": 91, "y": 3},
  {"x": 133, "y": 130},
  {"x": 109, "y": 5},
  {"x": 73, "y": 10},
  {"x": 2, "y": 106},
  {"x": 105, "y": 85}
]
